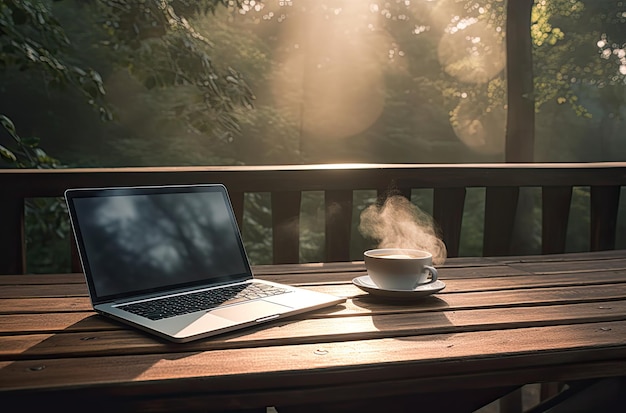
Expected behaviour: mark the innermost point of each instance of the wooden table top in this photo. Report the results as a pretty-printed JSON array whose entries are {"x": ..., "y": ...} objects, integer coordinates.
[{"x": 499, "y": 323}]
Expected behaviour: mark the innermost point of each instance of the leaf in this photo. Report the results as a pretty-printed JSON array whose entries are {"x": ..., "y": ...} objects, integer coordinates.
[
  {"x": 8, "y": 124},
  {"x": 7, "y": 154},
  {"x": 41, "y": 154},
  {"x": 95, "y": 76},
  {"x": 80, "y": 71},
  {"x": 31, "y": 141}
]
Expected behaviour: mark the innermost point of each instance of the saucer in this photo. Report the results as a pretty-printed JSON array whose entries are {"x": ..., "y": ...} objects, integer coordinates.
[{"x": 366, "y": 284}]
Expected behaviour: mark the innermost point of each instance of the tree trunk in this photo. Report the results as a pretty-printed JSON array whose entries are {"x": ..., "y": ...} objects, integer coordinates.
[{"x": 520, "y": 129}]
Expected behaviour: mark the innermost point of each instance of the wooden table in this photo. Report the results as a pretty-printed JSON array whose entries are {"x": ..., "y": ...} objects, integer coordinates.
[{"x": 498, "y": 324}]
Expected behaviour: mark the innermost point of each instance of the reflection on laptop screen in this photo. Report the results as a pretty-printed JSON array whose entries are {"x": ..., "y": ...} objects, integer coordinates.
[{"x": 143, "y": 242}]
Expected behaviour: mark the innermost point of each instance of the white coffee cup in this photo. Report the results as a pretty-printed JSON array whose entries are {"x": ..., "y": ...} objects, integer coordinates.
[{"x": 399, "y": 268}]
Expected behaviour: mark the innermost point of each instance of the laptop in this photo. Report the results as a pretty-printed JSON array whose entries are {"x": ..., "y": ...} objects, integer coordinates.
[{"x": 170, "y": 260}]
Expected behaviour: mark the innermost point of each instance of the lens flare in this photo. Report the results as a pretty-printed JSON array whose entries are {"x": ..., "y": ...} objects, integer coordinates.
[
  {"x": 330, "y": 71},
  {"x": 481, "y": 130},
  {"x": 473, "y": 54}
]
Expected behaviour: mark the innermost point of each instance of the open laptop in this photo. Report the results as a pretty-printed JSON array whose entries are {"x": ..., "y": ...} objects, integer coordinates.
[{"x": 170, "y": 260}]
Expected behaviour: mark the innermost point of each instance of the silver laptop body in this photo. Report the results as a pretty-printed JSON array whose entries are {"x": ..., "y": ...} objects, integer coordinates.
[{"x": 147, "y": 252}]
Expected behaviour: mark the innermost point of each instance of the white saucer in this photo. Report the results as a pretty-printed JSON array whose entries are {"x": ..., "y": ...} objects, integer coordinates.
[{"x": 366, "y": 284}]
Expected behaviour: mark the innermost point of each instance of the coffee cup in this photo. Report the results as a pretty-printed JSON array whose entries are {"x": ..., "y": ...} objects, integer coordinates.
[{"x": 399, "y": 268}]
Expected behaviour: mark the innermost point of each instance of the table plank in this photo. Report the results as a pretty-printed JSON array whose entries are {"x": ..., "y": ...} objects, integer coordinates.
[
  {"x": 45, "y": 290},
  {"x": 33, "y": 279},
  {"x": 432, "y": 360},
  {"x": 571, "y": 267},
  {"x": 571, "y": 256},
  {"x": 361, "y": 302},
  {"x": 44, "y": 305},
  {"x": 493, "y": 282},
  {"x": 87, "y": 336}
]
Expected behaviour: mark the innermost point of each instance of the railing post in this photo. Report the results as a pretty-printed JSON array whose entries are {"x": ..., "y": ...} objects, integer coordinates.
[
  {"x": 500, "y": 211},
  {"x": 604, "y": 206},
  {"x": 555, "y": 209},
  {"x": 448, "y": 205},
  {"x": 12, "y": 240}
]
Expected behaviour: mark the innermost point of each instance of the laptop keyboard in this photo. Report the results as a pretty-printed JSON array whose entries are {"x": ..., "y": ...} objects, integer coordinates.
[{"x": 161, "y": 308}]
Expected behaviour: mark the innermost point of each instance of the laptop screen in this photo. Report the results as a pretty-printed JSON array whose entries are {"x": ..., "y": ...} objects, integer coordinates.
[{"x": 150, "y": 239}]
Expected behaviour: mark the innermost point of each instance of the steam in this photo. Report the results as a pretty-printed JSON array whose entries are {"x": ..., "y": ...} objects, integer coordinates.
[{"x": 400, "y": 224}]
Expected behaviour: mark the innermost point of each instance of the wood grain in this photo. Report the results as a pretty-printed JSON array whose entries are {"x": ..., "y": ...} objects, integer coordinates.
[{"x": 501, "y": 322}]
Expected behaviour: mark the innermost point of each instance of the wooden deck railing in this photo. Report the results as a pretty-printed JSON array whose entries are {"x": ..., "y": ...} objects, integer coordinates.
[{"x": 338, "y": 182}]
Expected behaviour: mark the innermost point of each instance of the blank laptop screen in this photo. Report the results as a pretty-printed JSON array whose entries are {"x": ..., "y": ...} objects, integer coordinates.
[{"x": 147, "y": 241}]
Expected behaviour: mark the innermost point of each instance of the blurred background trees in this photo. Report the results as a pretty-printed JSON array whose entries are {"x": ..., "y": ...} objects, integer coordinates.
[{"x": 210, "y": 82}]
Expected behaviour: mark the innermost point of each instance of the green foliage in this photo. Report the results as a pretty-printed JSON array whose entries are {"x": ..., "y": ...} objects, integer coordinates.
[
  {"x": 162, "y": 48},
  {"x": 150, "y": 39},
  {"x": 47, "y": 232},
  {"x": 578, "y": 45},
  {"x": 257, "y": 227},
  {"x": 472, "y": 230},
  {"x": 32, "y": 39},
  {"x": 25, "y": 153},
  {"x": 155, "y": 43}
]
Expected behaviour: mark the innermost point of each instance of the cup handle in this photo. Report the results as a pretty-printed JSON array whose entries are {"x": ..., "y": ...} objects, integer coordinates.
[{"x": 433, "y": 273}]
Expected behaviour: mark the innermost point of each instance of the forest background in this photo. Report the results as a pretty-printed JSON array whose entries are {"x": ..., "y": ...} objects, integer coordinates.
[{"x": 217, "y": 82}]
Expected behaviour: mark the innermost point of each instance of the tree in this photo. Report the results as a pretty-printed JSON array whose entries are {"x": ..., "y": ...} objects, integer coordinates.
[{"x": 151, "y": 38}]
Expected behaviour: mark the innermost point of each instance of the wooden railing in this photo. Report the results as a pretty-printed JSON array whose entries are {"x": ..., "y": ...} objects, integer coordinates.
[{"x": 338, "y": 182}]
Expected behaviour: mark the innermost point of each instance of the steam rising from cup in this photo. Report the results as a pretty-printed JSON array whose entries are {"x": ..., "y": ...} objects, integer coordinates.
[{"x": 400, "y": 224}]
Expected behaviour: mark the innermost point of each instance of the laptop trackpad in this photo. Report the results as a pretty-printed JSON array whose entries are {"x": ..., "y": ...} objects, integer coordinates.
[{"x": 250, "y": 311}]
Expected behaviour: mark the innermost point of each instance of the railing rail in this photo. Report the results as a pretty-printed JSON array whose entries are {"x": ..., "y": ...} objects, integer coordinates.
[{"x": 338, "y": 182}]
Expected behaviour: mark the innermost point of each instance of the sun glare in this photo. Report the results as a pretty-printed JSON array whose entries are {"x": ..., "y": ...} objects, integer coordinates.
[
  {"x": 333, "y": 62},
  {"x": 333, "y": 80}
]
